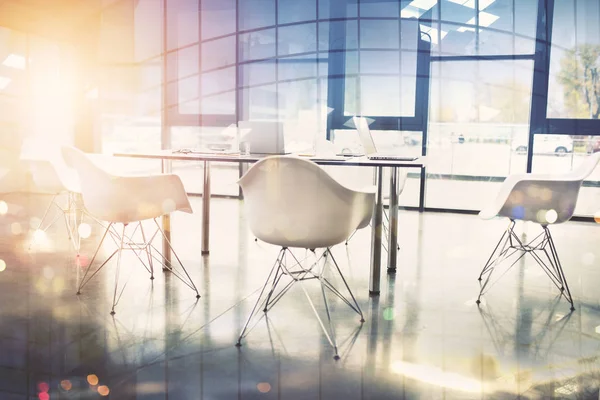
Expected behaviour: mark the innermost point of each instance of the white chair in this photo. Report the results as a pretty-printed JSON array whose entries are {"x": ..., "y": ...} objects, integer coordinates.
[
  {"x": 545, "y": 199},
  {"x": 129, "y": 200},
  {"x": 13, "y": 174},
  {"x": 51, "y": 175},
  {"x": 402, "y": 175},
  {"x": 293, "y": 203}
]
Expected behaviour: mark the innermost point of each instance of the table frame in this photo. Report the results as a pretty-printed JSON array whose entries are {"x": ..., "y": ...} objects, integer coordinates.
[{"x": 167, "y": 156}]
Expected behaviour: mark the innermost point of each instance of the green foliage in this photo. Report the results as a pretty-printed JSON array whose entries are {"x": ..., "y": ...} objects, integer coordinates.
[{"x": 579, "y": 76}]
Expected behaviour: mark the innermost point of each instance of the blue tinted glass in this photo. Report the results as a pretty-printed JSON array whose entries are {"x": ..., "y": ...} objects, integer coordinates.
[
  {"x": 218, "y": 18},
  {"x": 379, "y": 34},
  {"x": 341, "y": 63},
  {"x": 296, "y": 11},
  {"x": 259, "y": 103},
  {"x": 297, "y": 39},
  {"x": 257, "y": 45},
  {"x": 255, "y": 14},
  {"x": 297, "y": 67},
  {"x": 338, "y": 35},
  {"x": 337, "y": 9},
  {"x": 379, "y": 62},
  {"x": 379, "y": 8}
]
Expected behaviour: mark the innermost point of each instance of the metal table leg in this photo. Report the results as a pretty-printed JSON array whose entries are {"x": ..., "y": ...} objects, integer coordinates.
[
  {"x": 393, "y": 221},
  {"x": 166, "y": 223},
  {"x": 376, "y": 229},
  {"x": 206, "y": 209}
]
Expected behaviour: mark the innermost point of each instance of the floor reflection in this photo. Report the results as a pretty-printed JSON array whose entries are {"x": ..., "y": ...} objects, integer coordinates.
[{"x": 424, "y": 336}]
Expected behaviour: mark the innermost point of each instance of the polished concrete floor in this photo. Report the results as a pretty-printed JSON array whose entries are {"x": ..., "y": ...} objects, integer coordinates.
[{"x": 424, "y": 337}]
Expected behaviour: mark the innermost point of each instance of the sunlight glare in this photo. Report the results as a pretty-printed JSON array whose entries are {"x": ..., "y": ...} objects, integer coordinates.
[
  {"x": 84, "y": 230},
  {"x": 435, "y": 376},
  {"x": 3, "y": 207}
]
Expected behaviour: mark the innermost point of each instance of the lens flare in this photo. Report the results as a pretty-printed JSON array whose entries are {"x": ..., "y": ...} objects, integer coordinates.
[
  {"x": 3, "y": 207},
  {"x": 103, "y": 390},
  {"x": 551, "y": 216},
  {"x": 66, "y": 385},
  {"x": 43, "y": 387},
  {"x": 2, "y": 265},
  {"x": 39, "y": 235},
  {"x": 168, "y": 206},
  {"x": 84, "y": 230},
  {"x": 92, "y": 379},
  {"x": 48, "y": 273},
  {"x": 263, "y": 387},
  {"x": 388, "y": 314},
  {"x": 15, "y": 228}
]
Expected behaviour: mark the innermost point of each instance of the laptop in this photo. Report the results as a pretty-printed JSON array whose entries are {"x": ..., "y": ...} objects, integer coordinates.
[
  {"x": 369, "y": 144},
  {"x": 264, "y": 137}
]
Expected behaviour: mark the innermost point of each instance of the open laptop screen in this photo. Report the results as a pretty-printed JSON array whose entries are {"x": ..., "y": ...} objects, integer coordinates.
[{"x": 364, "y": 133}]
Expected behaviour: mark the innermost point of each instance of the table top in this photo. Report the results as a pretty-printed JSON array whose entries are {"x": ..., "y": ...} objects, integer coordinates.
[{"x": 224, "y": 157}]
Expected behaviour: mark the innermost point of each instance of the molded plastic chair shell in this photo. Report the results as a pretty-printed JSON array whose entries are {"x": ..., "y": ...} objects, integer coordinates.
[
  {"x": 292, "y": 202},
  {"x": 531, "y": 197},
  {"x": 126, "y": 199},
  {"x": 49, "y": 172}
]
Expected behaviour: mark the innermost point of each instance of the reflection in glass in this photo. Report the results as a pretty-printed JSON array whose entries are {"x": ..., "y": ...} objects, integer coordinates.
[
  {"x": 257, "y": 45},
  {"x": 297, "y": 39},
  {"x": 218, "y": 18},
  {"x": 255, "y": 14},
  {"x": 290, "y": 11}
]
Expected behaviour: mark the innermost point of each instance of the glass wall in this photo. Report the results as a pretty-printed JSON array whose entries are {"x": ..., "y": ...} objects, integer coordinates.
[{"x": 465, "y": 75}]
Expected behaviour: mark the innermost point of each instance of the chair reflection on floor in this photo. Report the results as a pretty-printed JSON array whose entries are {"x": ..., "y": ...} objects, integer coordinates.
[
  {"x": 293, "y": 203},
  {"x": 552, "y": 326},
  {"x": 138, "y": 341}
]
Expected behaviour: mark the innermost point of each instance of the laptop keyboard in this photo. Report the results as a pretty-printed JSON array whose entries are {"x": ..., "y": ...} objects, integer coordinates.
[{"x": 394, "y": 158}]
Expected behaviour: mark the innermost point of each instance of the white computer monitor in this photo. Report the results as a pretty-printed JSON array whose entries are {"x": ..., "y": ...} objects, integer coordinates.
[{"x": 264, "y": 137}]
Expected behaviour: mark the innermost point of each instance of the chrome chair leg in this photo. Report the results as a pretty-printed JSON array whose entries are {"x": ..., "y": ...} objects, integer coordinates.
[
  {"x": 510, "y": 244},
  {"x": 299, "y": 274},
  {"x": 258, "y": 300},
  {"x": 117, "y": 272}
]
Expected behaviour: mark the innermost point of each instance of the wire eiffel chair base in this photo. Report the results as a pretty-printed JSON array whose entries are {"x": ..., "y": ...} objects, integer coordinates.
[
  {"x": 298, "y": 273},
  {"x": 72, "y": 215},
  {"x": 541, "y": 248},
  {"x": 126, "y": 242}
]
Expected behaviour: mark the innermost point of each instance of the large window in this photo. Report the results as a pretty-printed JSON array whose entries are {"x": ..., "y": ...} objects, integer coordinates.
[{"x": 485, "y": 88}]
